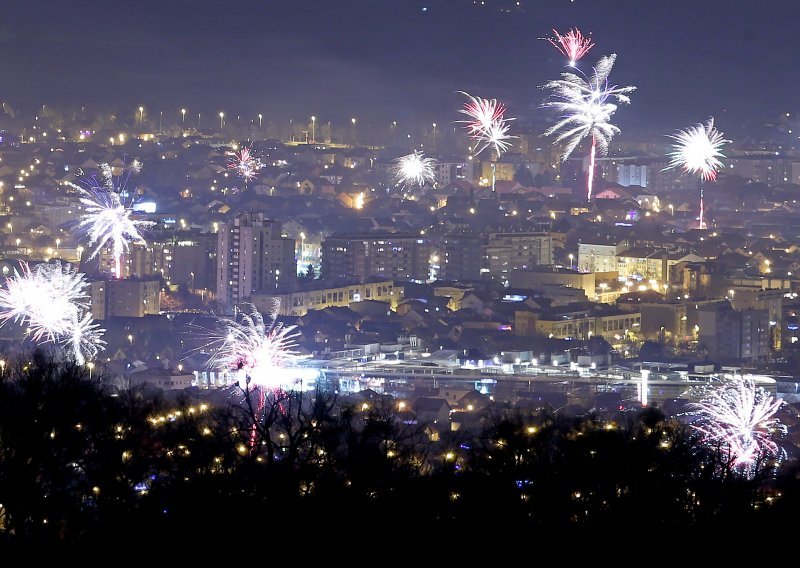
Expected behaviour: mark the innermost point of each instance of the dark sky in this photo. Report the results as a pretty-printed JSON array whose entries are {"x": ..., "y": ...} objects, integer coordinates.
[{"x": 390, "y": 59}]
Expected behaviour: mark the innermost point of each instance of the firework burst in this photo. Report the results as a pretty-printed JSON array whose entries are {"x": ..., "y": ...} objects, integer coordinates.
[
  {"x": 414, "y": 169},
  {"x": 740, "y": 418},
  {"x": 52, "y": 302},
  {"x": 260, "y": 352},
  {"x": 487, "y": 125},
  {"x": 586, "y": 110},
  {"x": 573, "y": 45},
  {"x": 106, "y": 219},
  {"x": 245, "y": 164},
  {"x": 697, "y": 150}
]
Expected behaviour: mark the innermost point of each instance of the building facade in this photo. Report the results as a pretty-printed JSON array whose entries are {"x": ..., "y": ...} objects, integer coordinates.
[
  {"x": 511, "y": 252},
  {"x": 252, "y": 256},
  {"x": 395, "y": 256}
]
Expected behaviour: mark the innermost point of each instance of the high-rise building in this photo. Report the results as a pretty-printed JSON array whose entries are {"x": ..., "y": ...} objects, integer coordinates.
[
  {"x": 348, "y": 258},
  {"x": 252, "y": 256}
]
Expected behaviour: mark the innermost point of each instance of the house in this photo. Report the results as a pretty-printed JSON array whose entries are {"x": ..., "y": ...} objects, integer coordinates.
[
  {"x": 613, "y": 192},
  {"x": 432, "y": 410}
]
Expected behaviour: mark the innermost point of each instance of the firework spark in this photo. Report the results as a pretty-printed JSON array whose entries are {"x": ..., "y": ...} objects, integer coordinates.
[
  {"x": 573, "y": 45},
  {"x": 698, "y": 149},
  {"x": 740, "y": 418},
  {"x": 414, "y": 169},
  {"x": 487, "y": 126},
  {"x": 245, "y": 164},
  {"x": 52, "y": 302},
  {"x": 586, "y": 110}
]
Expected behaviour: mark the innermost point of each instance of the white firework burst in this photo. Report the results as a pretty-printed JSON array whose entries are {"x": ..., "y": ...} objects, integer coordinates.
[
  {"x": 698, "y": 149},
  {"x": 740, "y": 418},
  {"x": 85, "y": 338},
  {"x": 109, "y": 223},
  {"x": 260, "y": 353},
  {"x": 487, "y": 126},
  {"x": 52, "y": 303},
  {"x": 414, "y": 169},
  {"x": 586, "y": 108}
]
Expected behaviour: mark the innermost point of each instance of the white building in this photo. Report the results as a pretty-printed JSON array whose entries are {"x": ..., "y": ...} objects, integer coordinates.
[
  {"x": 593, "y": 257},
  {"x": 631, "y": 174}
]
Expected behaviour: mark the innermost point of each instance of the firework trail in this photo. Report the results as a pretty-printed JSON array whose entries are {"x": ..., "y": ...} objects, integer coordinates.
[
  {"x": 414, "y": 169},
  {"x": 52, "y": 302},
  {"x": 586, "y": 111},
  {"x": 487, "y": 126},
  {"x": 697, "y": 150},
  {"x": 245, "y": 164},
  {"x": 572, "y": 45},
  {"x": 106, "y": 219},
  {"x": 740, "y": 418}
]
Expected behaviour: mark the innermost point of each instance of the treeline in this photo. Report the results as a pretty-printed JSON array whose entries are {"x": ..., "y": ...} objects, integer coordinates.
[{"x": 81, "y": 462}]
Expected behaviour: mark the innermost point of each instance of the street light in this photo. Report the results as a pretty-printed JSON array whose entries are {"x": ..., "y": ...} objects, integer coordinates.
[
  {"x": 313, "y": 125},
  {"x": 571, "y": 258}
]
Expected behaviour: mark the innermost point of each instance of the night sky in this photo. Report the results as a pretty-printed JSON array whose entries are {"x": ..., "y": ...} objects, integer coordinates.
[{"x": 383, "y": 60}]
